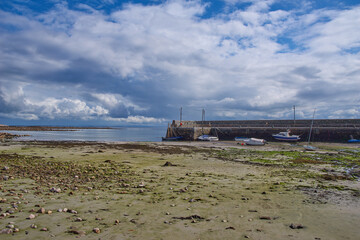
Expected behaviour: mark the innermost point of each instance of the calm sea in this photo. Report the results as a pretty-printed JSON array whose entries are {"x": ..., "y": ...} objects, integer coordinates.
[{"x": 130, "y": 134}]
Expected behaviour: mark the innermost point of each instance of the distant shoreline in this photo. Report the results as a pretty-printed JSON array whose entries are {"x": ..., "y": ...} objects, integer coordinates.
[{"x": 45, "y": 128}]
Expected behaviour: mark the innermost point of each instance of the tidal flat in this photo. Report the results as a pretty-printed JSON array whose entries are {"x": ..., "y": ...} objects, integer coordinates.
[{"x": 182, "y": 190}]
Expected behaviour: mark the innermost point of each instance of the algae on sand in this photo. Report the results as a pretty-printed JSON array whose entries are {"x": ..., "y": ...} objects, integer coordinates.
[{"x": 125, "y": 191}]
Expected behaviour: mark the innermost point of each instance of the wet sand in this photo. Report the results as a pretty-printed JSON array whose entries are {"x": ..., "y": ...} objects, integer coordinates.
[{"x": 182, "y": 190}]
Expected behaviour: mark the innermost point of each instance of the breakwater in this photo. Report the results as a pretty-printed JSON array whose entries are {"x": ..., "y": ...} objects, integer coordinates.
[{"x": 324, "y": 130}]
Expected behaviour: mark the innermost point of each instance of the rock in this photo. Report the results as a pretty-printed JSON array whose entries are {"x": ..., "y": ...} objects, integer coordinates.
[
  {"x": 59, "y": 210},
  {"x": 5, "y": 178},
  {"x": 224, "y": 221},
  {"x": 230, "y": 228},
  {"x": 168, "y": 164},
  {"x": 6, "y": 168},
  {"x": 296, "y": 226},
  {"x": 44, "y": 229},
  {"x": 265, "y": 218},
  {"x": 6, "y": 231},
  {"x": 49, "y": 212},
  {"x": 74, "y": 230},
  {"x": 33, "y": 226},
  {"x": 78, "y": 219},
  {"x": 41, "y": 210},
  {"x": 55, "y": 190},
  {"x": 11, "y": 226},
  {"x": 31, "y": 216},
  {"x": 117, "y": 221},
  {"x": 96, "y": 230}
]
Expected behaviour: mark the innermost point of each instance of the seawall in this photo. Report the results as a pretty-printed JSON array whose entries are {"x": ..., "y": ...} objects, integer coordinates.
[{"x": 324, "y": 130}]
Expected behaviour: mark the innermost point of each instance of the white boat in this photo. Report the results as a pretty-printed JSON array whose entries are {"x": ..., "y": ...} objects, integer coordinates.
[
  {"x": 208, "y": 138},
  {"x": 251, "y": 141},
  {"x": 285, "y": 136}
]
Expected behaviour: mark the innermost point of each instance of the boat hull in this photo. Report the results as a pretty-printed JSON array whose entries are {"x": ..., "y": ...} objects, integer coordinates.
[
  {"x": 207, "y": 138},
  {"x": 172, "y": 138},
  {"x": 288, "y": 139}
]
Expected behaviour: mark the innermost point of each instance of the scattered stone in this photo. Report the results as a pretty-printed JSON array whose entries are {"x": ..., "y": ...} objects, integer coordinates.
[
  {"x": 230, "y": 228},
  {"x": 6, "y": 168},
  {"x": 16, "y": 229},
  {"x": 117, "y": 221},
  {"x": 296, "y": 226},
  {"x": 265, "y": 218},
  {"x": 33, "y": 226},
  {"x": 78, "y": 219},
  {"x": 44, "y": 229},
  {"x": 41, "y": 210},
  {"x": 11, "y": 226},
  {"x": 49, "y": 212},
  {"x": 55, "y": 190},
  {"x": 96, "y": 230},
  {"x": 31, "y": 216},
  {"x": 6, "y": 231},
  {"x": 190, "y": 217},
  {"x": 224, "y": 221},
  {"x": 168, "y": 164},
  {"x": 74, "y": 230}
]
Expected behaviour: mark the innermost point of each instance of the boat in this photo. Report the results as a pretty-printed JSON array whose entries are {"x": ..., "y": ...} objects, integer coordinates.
[
  {"x": 207, "y": 138},
  {"x": 179, "y": 138},
  {"x": 250, "y": 141},
  {"x": 308, "y": 147},
  {"x": 353, "y": 140},
  {"x": 285, "y": 136}
]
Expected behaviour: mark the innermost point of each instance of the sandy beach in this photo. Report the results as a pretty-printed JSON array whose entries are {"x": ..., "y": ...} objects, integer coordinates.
[{"x": 182, "y": 190}]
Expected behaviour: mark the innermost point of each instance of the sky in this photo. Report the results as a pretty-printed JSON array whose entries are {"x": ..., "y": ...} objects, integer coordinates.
[{"x": 118, "y": 63}]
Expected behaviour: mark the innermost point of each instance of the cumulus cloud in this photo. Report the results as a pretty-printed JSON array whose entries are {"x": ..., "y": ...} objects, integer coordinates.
[{"x": 141, "y": 62}]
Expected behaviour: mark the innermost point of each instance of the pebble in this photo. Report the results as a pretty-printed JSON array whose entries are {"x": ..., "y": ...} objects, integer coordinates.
[
  {"x": 296, "y": 226},
  {"x": 78, "y": 219},
  {"x": 11, "y": 226},
  {"x": 33, "y": 226},
  {"x": 117, "y": 221},
  {"x": 44, "y": 229},
  {"x": 96, "y": 230},
  {"x": 49, "y": 212},
  {"x": 31, "y": 216},
  {"x": 59, "y": 210}
]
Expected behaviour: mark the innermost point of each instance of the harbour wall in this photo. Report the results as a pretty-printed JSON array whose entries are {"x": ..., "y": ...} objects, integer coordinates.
[{"x": 323, "y": 130}]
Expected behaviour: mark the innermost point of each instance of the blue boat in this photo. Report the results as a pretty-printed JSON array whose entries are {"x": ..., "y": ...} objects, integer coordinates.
[{"x": 353, "y": 141}]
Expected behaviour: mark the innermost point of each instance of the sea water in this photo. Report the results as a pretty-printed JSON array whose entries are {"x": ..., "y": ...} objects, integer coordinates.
[{"x": 128, "y": 134}]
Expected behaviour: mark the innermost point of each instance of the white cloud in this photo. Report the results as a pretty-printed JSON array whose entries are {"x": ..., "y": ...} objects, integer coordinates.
[
  {"x": 142, "y": 59},
  {"x": 136, "y": 119}
]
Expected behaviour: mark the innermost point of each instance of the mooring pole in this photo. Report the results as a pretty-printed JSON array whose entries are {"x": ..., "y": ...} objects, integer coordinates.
[
  {"x": 294, "y": 114},
  {"x": 180, "y": 115}
]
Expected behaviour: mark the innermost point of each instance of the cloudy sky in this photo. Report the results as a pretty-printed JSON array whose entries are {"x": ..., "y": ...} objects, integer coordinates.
[{"x": 110, "y": 62}]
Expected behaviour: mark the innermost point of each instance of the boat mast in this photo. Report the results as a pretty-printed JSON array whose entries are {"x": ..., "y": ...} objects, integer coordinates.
[{"x": 312, "y": 122}]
